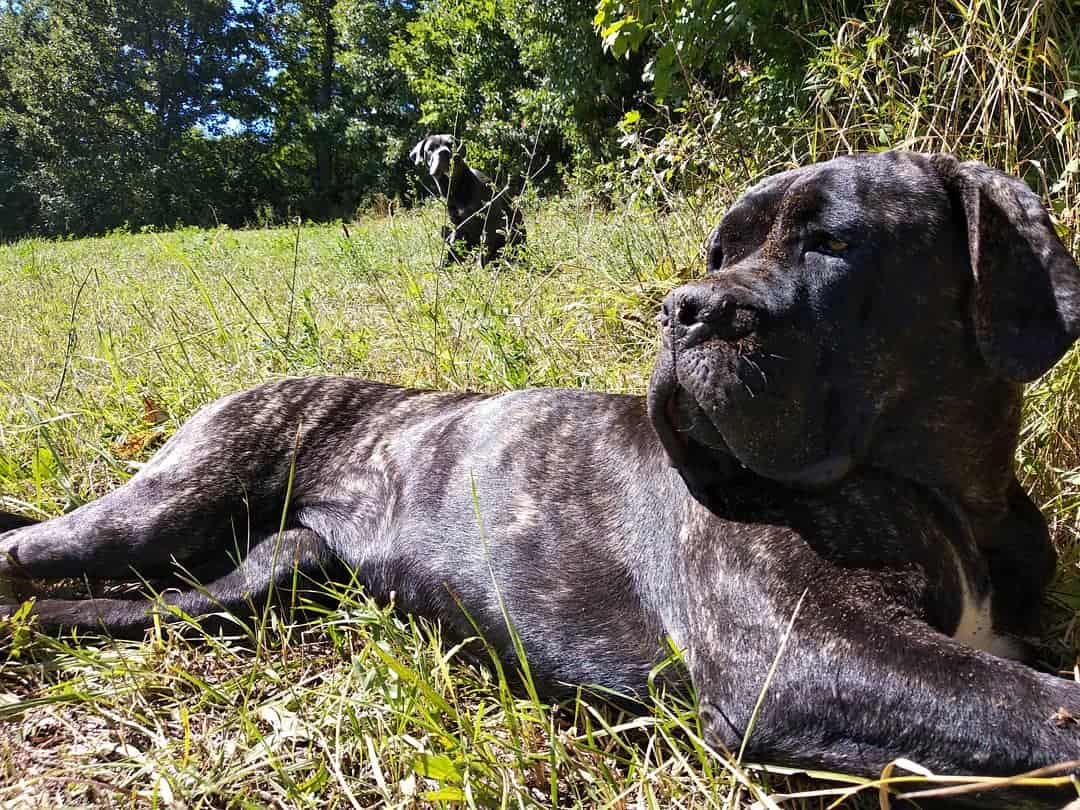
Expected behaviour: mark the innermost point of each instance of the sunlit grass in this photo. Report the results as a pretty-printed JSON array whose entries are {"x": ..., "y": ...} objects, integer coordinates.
[{"x": 107, "y": 345}]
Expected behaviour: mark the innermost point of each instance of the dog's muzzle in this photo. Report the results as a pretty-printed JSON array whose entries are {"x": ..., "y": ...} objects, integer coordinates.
[
  {"x": 690, "y": 316},
  {"x": 693, "y": 314}
]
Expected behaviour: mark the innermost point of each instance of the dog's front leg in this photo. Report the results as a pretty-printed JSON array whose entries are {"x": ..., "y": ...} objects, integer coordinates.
[
  {"x": 450, "y": 238},
  {"x": 860, "y": 681}
]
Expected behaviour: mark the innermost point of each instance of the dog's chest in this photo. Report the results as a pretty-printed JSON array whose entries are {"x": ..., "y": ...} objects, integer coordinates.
[{"x": 976, "y": 626}]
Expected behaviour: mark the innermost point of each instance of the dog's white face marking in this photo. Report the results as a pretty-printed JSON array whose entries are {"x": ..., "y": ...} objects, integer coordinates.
[
  {"x": 439, "y": 161},
  {"x": 435, "y": 152},
  {"x": 976, "y": 625}
]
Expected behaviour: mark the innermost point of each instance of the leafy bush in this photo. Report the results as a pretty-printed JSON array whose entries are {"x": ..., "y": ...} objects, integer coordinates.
[{"x": 990, "y": 80}]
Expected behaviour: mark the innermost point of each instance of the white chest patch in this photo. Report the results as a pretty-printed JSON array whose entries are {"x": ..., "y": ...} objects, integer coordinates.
[{"x": 976, "y": 626}]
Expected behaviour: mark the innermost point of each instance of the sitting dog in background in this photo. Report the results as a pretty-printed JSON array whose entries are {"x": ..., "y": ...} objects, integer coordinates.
[
  {"x": 482, "y": 216},
  {"x": 823, "y": 466}
]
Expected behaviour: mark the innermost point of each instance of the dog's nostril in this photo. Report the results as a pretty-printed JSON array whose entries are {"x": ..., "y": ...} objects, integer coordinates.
[
  {"x": 691, "y": 310},
  {"x": 686, "y": 311},
  {"x": 697, "y": 314},
  {"x": 724, "y": 310}
]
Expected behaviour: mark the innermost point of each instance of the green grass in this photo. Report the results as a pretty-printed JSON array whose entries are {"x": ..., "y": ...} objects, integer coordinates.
[{"x": 107, "y": 345}]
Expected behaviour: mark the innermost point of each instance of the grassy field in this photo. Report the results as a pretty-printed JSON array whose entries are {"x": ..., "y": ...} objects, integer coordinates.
[{"x": 107, "y": 345}]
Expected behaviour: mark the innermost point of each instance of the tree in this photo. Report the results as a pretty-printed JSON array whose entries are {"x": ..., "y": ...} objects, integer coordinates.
[
  {"x": 465, "y": 72},
  {"x": 342, "y": 110},
  {"x": 580, "y": 90},
  {"x": 305, "y": 92},
  {"x": 102, "y": 99},
  {"x": 384, "y": 110},
  {"x": 511, "y": 75}
]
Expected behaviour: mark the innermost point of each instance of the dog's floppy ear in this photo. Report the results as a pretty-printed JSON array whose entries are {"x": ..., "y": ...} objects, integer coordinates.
[
  {"x": 416, "y": 154},
  {"x": 1026, "y": 293}
]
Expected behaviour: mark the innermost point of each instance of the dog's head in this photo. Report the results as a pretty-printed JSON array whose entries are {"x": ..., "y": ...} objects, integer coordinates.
[
  {"x": 863, "y": 311},
  {"x": 436, "y": 152}
]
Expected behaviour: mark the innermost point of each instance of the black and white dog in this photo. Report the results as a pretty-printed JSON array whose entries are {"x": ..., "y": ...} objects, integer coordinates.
[
  {"x": 827, "y": 441},
  {"x": 481, "y": 215}
]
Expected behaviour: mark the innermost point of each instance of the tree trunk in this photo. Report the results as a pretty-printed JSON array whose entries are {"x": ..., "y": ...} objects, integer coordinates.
[{"x": 324, "y": 146}]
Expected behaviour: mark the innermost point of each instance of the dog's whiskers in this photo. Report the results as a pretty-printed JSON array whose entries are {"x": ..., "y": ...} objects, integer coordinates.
[
  {"x": 743, "y": 383},
  {"x": 757, "y": 368}
]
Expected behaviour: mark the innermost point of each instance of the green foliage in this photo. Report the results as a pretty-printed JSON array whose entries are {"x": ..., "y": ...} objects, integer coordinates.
[
  {"x": 692, "y": 39},
  {"x": 342, "y": 111},
  {"x": 100, "y": 99},
  {"x": 577, "y": 89},
  {"x": 116, "y": 114},
  {"x": 990, "y": 80},
  {"x": 380, "y": 130},
  {"x": 525, "y": 83},
  {"x": 465, "y": 72}
]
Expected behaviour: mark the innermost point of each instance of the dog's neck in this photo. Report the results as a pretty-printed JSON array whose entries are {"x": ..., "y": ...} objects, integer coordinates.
[
  {"x": 442, "y": 183},
  {"x": 453, "y": 178},
  {"x": 971, "y": 467}
]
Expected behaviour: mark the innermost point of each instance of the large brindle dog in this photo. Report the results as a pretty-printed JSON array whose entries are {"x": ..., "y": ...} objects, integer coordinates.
[{"x": 827, "y": 440}]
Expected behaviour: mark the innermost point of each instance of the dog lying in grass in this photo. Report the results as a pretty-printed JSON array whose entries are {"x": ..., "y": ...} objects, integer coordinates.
[
  {"x": 481, "y": 216},
  {"x": 821, "y": 477}
]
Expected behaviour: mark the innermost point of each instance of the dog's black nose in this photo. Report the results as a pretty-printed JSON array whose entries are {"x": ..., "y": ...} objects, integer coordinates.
[{"x": 694, "y": 313}]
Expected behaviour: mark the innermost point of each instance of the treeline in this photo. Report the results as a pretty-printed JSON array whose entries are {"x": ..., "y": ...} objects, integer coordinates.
[
  {"x": 131, "y": 113},
  {"x": 117, "y": 113}
]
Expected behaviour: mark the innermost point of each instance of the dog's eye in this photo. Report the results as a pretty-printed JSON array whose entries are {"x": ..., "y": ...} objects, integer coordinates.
[{"x": 828, "y": 245}]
